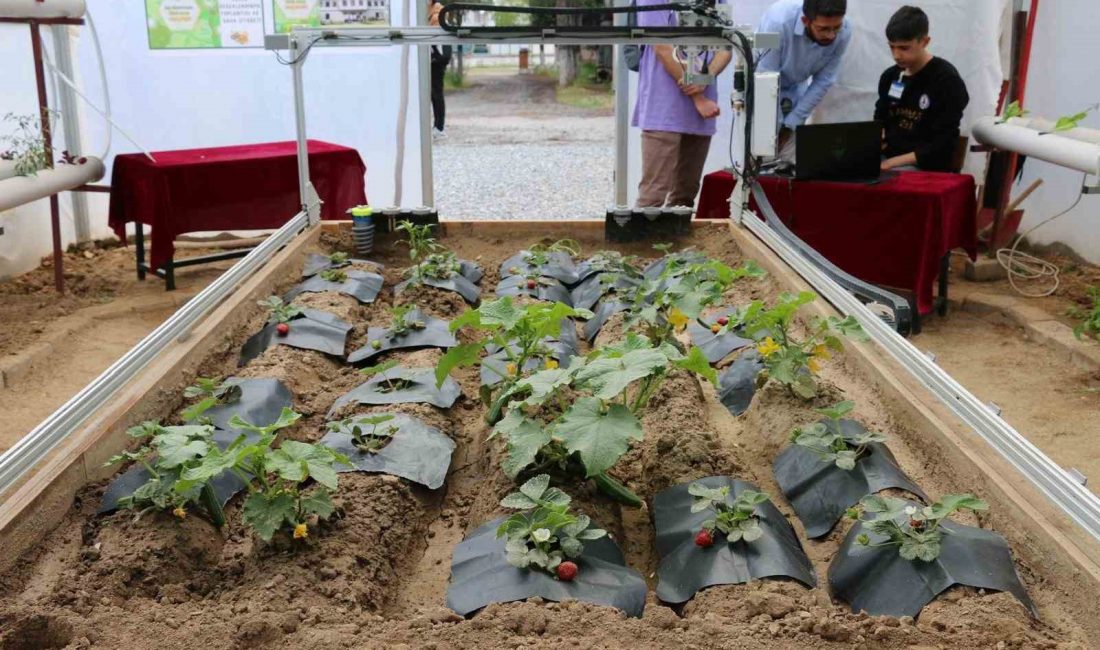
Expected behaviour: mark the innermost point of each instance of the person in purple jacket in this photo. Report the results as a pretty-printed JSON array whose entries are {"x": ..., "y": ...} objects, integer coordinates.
[{"x": 677, "y": 119}]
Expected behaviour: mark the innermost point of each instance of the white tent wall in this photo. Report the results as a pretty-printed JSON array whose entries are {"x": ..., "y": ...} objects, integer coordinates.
[{"x": 1064, "y": 79}]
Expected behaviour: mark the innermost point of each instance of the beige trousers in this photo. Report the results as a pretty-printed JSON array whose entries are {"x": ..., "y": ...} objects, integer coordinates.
[{"x": 672, "y": 168}]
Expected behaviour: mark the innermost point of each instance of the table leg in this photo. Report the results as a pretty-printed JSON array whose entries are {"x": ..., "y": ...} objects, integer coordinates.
[
  {"x": 941, "y": 300},
  {"x": 170, "y": 275},
  {"x": 139, "y": 246}
]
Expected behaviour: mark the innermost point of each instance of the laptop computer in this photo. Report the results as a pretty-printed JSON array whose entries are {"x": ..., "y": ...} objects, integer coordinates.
[{"x": 850, "y": 151}]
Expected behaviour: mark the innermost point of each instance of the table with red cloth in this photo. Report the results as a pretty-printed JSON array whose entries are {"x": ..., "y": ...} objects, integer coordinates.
[
  {"x": 893, "y": 233},
  {"x": 242, "y": 187}
]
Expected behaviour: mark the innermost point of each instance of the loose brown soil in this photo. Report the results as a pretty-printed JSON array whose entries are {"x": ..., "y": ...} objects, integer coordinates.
[{"x": 377, "y": 575}]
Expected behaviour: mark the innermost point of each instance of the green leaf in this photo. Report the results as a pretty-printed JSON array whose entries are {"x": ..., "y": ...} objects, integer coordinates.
[
  {"x": 535, "y": 487},
  {"x": 572, "y": 547},
  {"x": 178, "y": 455},
  {"x": 518, "y": 501},
  {"x": 837, "y": 411},
  {"x": 846, "y": 460},
  {"x": 950, "y": 503},
  {"x": 318, "y": 503},
  {"x": 696, "y": 362},
  {"x": 751, "y": 530},
  {"x": 266, "y": 515},
  {"x": 600, "y": 438},
  {"x": 609, "y": 377},
  {"x": 296, "y": 461},
  {"x": 460, "y": 356},
  {"x": 545, "y": 383},
  {"x": 524, "y": 443}
]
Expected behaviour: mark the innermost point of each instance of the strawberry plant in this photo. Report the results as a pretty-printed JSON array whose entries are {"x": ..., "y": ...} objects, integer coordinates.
[
  {"x": 212, "y": 392},
  {"x": 168, "y": 453},
  {"x": 544, "y": 533},
  {"x": 916, "y": 531},
  {"x": 539, "y": 254},
  {"x": 789, "y": 360},
  {"x": 520, "y": 332},
  {"x": 334, "y": 275},
  {"x": 737, "y": 521},
  {"x": 338, "y": 258},
  {"x": 276, "y": 477},
  {"x": 401, "y": 324},
  {"x": 387, "y": 385},
  {"x": 278, "y": 311},
  {"x": 828, "y": 442},
  {"x": 1090, "y": 320},
  {"x": 430, "y": 259},
  {"x": 365, "y": 433}
]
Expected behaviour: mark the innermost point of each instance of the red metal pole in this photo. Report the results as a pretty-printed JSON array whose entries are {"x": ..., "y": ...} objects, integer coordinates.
[{"x": 47, "y": 146}]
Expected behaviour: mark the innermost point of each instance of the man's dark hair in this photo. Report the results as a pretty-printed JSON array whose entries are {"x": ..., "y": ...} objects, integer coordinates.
[
  {"x": 829, "y": 8},
  {"x": 908, "y": 24}
]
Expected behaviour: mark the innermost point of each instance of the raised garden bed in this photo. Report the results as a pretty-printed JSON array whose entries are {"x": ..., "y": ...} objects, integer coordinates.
[{"x": 377, "y": 569}]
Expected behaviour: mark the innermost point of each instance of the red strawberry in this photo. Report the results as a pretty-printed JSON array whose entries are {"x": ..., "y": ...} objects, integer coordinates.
[
  {"x": 283, "y": 329},
  {"x": 531, "y": 284},
  {"x": 567, "y": 571},
  {"x": 723, "y": 321},
  {"x": 704, "y": 538}
]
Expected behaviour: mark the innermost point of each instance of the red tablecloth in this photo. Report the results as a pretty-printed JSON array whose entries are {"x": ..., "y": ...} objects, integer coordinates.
[
  {"x": 892, "y": 233},
  {"x": 244, "y": 187}
]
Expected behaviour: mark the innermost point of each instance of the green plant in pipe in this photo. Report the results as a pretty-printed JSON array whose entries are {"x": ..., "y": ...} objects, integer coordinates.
[
  {"x": 915, "y": 530},
  {"x": 829, "y": 444},
  {"x": 544, "y": 534},
  {"x": 168, "y": 453}
]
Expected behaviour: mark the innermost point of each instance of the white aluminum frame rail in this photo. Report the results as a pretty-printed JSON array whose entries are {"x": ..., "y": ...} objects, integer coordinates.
[
  {"x": 1078, "y": 502},
  {"x": 34, "y": 446}
]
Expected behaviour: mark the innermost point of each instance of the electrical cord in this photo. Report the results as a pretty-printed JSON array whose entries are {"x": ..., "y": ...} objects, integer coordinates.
[{"x": 1031, "y": 268}]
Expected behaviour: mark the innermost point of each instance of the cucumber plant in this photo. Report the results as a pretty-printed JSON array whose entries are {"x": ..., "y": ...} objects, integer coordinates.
[
  {"x": 737, "y": 521},
  {"x": 212, "y": 392},
  {"x": 789, "y": 360},
  {"x": 1090, "y": 320},
  {"x": 828, "y": 442},
  {"x": 916, "y": 531},
  {"x": 168, "y": 453},
  {"x": 544, "y": 534},
  {"x": 365, "y": 433}
]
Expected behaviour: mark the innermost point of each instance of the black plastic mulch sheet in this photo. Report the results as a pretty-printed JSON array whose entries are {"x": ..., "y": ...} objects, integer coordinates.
[
  {"x": 417, "y": 451},
  {"x": 225, "y": 485},
  {"x": 436, "y": 334},
  {"x": 882, "y": 583},
  {"x": 316, "y": 263},
  {"x": 360, "y": 285},
  {"x": 262, "y": 401},
  {"x": 458, "y": 283},
  {"x": 480, "y": 576},
  {"x": 603, "y": 312},
  {"x": 590, "y": 291},
  {"x": 820, "y": 492},
  {"x": 516, "y": 285},
  {"x": 495, "y": 365},
  {"x": 422, "y": 390},
  {"x": 737, "y": 385},
  {"x": 715, "y": 346},
  {"x": 470, "y": 270},
  {"x": 559, "y": 266},
  {"x": 686, "y": 568},
  {"x": 312, "y": 330}
]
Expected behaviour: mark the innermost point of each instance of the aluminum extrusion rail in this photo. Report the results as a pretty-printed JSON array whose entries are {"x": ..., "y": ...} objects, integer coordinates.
[
  {"x": 1079, "y": 503},
  {"x": 34, "y": 446}
]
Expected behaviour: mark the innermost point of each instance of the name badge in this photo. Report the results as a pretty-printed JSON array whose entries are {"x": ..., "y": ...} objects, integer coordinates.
[{"x": 896, "y": 90}]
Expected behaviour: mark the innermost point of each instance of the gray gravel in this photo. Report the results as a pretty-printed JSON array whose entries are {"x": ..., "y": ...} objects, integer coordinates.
[{"x": 512, "y": 152}]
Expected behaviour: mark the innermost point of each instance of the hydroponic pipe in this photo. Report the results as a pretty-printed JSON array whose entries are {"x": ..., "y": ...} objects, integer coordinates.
[
  {"x": 7, "y": 169},
  {"x": 21, "y": 190},
  {"x": 1054, "y": 148},
  {"x": 42, "y": 8},
  {"x": 1043, "y": 125}
]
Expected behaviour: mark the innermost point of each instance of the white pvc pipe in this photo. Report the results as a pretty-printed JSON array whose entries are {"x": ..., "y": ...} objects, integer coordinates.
[
  {"x": 1054, "y": 148},
  {"x": 7, "y": 169},
  {"x": 1044, "y": 125},
  {"x": 42, "y": 8},
  {"x": 21, "y": 190}
]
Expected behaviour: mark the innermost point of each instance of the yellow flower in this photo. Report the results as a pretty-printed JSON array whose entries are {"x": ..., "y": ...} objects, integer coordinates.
[
  {"x": 180, "y": 512},
  {"x": 814, "y": 365},
  {"x": 512, "y": 369},
  {"x": 678, "y": 319},
  {"x": 301, "y": 531},
  {"x": 551, "y": 364},
  {"x": 768, "y": 347},
  {"x": 821, "y": 352}
]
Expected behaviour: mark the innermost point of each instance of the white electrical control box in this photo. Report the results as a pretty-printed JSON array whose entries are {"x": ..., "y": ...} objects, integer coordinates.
[{"x": 765, "y": 115}]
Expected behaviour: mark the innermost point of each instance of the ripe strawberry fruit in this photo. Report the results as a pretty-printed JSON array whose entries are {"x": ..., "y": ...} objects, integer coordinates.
[
  {"x": 531, "y": 284},
  {"x": 283, "y": 329},
  {"x": 704, "y": 539},
  {"x": 723, "y": 321},
  {"x": 567, "y": 571}
]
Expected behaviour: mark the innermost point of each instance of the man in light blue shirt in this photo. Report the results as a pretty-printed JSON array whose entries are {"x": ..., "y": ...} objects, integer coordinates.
[{"x": 813, "y": 37}]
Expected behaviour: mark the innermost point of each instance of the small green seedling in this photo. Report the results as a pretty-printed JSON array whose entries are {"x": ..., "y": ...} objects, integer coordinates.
[
  {"x": 913, "y": 529},
  {"x": 1013, "y": 110},
  {"x": 401, "y": 323},
  {"x": 212, "y": 392},
  {"x": 167, "y": 455},
  {"x": 386, "y": 385},
  {"x": 829, "y": 444},
  {"x": 737, "y": 521},
  {"x": 365, "y": 433},
  {"x": 25, "y": 146},
  {"x": 1090, "y": 320},
  {"x": 338, "y": 258},
  {"x": 1070, "y": 122},
  {"x": 544, "y": 534},
  {"x": 279, "y": 311},
  {"x": 539, "y": 254},
  {"x": 334, "y": 275}
]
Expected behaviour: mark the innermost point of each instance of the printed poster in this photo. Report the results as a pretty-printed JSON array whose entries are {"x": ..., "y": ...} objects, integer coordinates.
[
  {"x": 329, "y": 13},
  {"x": 204, "y": 24}
]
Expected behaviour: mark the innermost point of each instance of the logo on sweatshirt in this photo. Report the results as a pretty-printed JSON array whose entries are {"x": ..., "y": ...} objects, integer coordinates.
[{"x": 925, "y": 102}]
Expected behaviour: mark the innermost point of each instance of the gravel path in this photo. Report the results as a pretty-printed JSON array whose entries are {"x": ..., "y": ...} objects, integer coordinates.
[{"x": 513, "y": 152}]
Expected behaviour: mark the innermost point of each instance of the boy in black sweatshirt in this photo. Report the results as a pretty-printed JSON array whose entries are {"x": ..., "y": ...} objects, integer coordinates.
[{"x": 920, "y": 100}]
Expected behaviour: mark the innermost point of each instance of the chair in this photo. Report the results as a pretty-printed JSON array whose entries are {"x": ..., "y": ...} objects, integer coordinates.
[{"x": 959, "y": 159}]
